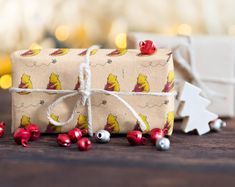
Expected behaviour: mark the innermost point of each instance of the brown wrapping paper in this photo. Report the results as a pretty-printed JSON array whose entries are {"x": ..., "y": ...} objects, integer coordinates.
[{"x": 124, "y": 71}]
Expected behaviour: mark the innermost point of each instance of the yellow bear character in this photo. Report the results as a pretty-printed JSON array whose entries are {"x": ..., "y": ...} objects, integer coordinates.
[
  {"x": 144, "y": 118},
  {"x": 142, "y": 84},
  {"x": 168, "y": 127},
  {"x": 52, "y": 128},
  {"x": 170, "y": 82},
  {"x": 24, "y": 121},
  {"x": 112, "y": 83},
  {"x": 82, "y": 122},
  {"x": 112, "y": 124},
  {"x": 54, "y": 82},
  {"x": 25, "y": 83}
]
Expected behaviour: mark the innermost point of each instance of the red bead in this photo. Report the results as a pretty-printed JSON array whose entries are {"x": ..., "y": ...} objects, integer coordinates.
[
  {"x": 84, "y": 144},
  {"x": 136, "y": 138},
  {"x": 2, "y": 128},
  {"x": 84, "y": 132},
  {"x": 156, "y": 134},
  {"x": 147, "y": 47},
  {"x": 75, "y": 134},
  {"x": 63, "y": 140},
  {"x": 22, "y": 136},
  {"x": 34, "y": 131}
]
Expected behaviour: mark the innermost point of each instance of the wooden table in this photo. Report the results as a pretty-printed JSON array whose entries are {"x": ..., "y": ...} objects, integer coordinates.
[{"x": 208, "y": 160}]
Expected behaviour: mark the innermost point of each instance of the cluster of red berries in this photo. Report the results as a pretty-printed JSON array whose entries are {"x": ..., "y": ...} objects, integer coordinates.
[
  {"x": 23, "y": 135},
  {"x": 74, "y": 136},
  {"x": 32, "y": 133},
  {"x": 136, "y": 137}
]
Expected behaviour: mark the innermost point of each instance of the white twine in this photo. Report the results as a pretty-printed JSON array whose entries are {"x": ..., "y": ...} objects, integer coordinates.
[
  {"x": 190, "y": 68},
  {"x": 85, "y": 91}
]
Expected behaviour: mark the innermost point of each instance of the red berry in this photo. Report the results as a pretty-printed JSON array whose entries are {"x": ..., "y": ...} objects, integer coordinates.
[
  {"x": 63, "y": 140},
  {"x": 84, "y": 144},
  {"x": 147, "y": 47},
  {"x": 2, "y": 128},
  {"x": 22, "y": 136},
  {"x": 34, "y": 131},
  {"x": 84, "y": 132},
  {"x": 136, "y": 138},
  {"x": 156, "y": 134},
  {"x": 75, "y": 134}
]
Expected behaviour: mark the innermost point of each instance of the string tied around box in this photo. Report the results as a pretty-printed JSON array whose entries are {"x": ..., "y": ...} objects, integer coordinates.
[{"x": 84, "y": 96}]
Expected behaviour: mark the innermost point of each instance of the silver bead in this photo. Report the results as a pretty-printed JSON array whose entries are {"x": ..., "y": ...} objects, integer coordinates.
[
  {"x": 217, "y": 125},
  {"x": 102, "y": 136},
  {"x": 163, "y": 144}
]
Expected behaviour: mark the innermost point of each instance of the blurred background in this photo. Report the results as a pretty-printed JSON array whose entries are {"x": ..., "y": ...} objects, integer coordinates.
[{"x": 80, "y": 23}]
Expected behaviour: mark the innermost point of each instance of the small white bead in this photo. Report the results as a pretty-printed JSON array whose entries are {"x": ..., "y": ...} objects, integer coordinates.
[
  {"x": 163, "y": 144},
  {"x": 102, "y": 136},
  {"x": 217, "y": 125}
]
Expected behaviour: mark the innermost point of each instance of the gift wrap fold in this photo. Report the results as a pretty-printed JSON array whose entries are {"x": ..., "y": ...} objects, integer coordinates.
[
  {"x": 206, "y": 61},
  {"x": 117, "y": 71}
]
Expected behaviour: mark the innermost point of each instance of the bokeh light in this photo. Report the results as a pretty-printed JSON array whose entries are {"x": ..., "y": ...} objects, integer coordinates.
[
  {"x": 184, "y": 29},
  {"x": 121, "y": 40},
  {"x": 62, "y": 32},
  {"x": 35, "y": 46},
  {"x": 5, "y": 81}
]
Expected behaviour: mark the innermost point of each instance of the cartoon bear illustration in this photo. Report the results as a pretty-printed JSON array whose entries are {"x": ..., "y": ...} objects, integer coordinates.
[
  {"x": 24, "y": 121},
  {"x": 54, "y": 82},
  {"x": 168, "y": 127},
  {"x": 60, "y": 52},
  {"x": 142, "y": 84},
  {"x": 25, "y": 83},
  {"x": 117, "y": 52},
  {"x": 170, "y": 82},
  {"x": 52, "y": 128},
  {"x": 112, "y": 83},
  {"x": 77, "y": 86},
  {"x": 112, "y": 124},
  {"x": 31, "y": 52},
  {"x": 82, "y": 122},
  {"x": 137, "y": 126}
]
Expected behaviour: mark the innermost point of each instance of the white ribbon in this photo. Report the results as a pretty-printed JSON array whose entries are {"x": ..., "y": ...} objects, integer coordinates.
[
  {"x": 85, "y": 93},
  {"x": 190, "y": 68}
]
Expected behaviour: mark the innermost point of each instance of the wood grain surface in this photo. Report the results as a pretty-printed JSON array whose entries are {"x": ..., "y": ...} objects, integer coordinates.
[{"x": 207, "y": 160}]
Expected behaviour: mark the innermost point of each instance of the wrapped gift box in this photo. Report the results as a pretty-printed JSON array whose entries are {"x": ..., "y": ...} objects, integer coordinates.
[
  {"x": 112, "y": 70},
  {"x": 214, "y": 63}
]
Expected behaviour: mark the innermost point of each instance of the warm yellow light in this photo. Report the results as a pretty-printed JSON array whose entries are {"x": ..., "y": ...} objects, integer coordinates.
[
  {"x": 184, "y": 29},
  {"x": 62, "y": 32},
  {"x": 5, "y": 81},
  {"x": 5, "y": 64},
  {"x": 231, "y": 30},
  {"x": 35, "y": 46},
  {"x": 121, "y": 40}
]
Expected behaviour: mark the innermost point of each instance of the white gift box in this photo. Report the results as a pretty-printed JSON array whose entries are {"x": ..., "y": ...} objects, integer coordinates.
[{"x": 211, "y": 63}]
